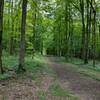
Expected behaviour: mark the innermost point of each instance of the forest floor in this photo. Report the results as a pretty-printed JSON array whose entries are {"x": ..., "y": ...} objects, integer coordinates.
[
  {"x": 51, "y": 80},
  {"x": 85, "y": 87}
]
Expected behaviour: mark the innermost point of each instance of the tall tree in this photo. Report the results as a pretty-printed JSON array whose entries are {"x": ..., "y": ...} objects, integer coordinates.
[
  {"x": 1, "y": 32},
  {"x": 99, "y": 29},
  {"x": 22, "y": 41},
  {"x": 87, "y": 35},
  {"x": 11, "y": 44},
  {"x": 93, "y": 6},
  {"x": 66, "y": 27},
  {"x": 94, "y": 31},
  {"x": 82, "y": 6},
  {"x": 34, "y": 16}
]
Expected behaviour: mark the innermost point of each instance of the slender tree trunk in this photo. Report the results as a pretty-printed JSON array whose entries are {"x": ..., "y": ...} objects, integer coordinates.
[
  {"x": 90, "y": 31},
  {"x": 34, "y": 28},
  {"x": 11, "y": 44},
  {"x": 99, "y": 30},
  {"x": 34, "y": 16},
  {"x": 59, "y": 39},
  {"x": 87, "y": 35},
  {"x": 15, "y": 26},
  {"x": 94, "y": 35},
  {"x": 70, "y": 33},
  {"x": 1, "y": 32},
  {"x": 71, "y": 39},
  {"x": 8, "y": 23},
  {"x": 83, "y": 28},
  {"x": 22, "y": 41},
  {"x": 66, "y": 29}
]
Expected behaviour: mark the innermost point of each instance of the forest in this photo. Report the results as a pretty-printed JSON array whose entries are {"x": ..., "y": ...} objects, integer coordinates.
[{"x": 49, "y": 49}]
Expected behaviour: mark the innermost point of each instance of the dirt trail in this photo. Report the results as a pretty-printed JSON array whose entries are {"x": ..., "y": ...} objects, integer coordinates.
[
  {"x": 25, "y": 88},
  {"x": 85, "y": 87}
]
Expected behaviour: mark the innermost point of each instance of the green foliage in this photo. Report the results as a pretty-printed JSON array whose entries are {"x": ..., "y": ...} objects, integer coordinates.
[
  {"x": 5, "y": 76},
  {"x": 57, "y": 90},
  {"x": 41, "y": 95},
  {"x": 31, "y": 65},
  {"x": 10, "y": 61},
  {"x": 86, "y": 69},
  {"x": 52, "y": 25}
]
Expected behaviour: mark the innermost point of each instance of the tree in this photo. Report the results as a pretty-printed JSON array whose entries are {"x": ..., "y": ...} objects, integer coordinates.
[
  {"x": 22, "y": 41},
  {"x": 11, "y": 44},
  {"x": 87, "y": 35},
  {"x": 83, "y": 27},
  {"x": 93, "y": 4},
  {"x": 1, "y": 32}
]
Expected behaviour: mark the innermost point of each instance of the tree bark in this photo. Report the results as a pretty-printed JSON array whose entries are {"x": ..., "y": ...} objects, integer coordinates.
[
  {"x": 94, "y": 34},
  {"x": 87, "y": 35},
  {"x": 22, "y": 41},
  {"x": 1, "y": 32},
  {"x": 83, "y": 28},
  {"x": 34, "y": 27},
  {"x": 11, "y": 43},
  {"x": 66, "y": 29},
  {"x": 99, "y": 29}
]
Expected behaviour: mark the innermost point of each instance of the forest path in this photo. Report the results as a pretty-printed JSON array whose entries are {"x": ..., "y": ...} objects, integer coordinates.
[
  {"x": 36, "y": 85},
  {"x": 86, "y": 88}
]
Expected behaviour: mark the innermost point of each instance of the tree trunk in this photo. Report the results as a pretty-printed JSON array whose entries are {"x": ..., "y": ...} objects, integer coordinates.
[
  {"x": 22, "y": 41},
  {"x": 99, "y": 29},
  {"x": 83, "y": 28},
  {"x": 94, "y": 35},
  {"x": 34, "y": 27},
  {"x": 87, "y": 35},
  {"x": 90, "y": 31},
  {"x": 1, "y": 32},
  {"x": 11, "y": 43},
  {"x": 66, "y": 29}
]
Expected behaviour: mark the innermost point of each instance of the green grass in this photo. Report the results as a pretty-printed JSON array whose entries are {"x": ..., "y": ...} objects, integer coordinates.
[
  {"x": 5, "y": 76},
  {"x": 11, "y": 62},
  {"x": 41, "y": 95},
  {"x": 35, "y": 66},
  {"x": 90, "y": 73},
  {"x": 58, "y": 91},
  {"x": 80, "y": 63},
  {"x": 87, "y": 69}
]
